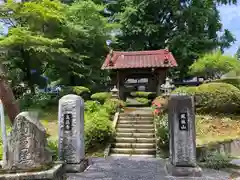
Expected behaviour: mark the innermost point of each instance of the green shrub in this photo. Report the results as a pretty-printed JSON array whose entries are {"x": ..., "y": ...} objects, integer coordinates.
[
  {"x": 40, "y": 100},
  {"x": 142, "y": 94},
  {"x": 82, "y": 91},
  {"x": 111, "y": 105},
  {"x": 92, "y": 106},
  {"x": 98, "y": 129},
  {"x": 162, "y": 130},
  {"x": 214, "y": 97},
  {"x": 184, "y": 89},
  {"x": 53, "y": 146},
  {"x": 101, "y": 97},
  {"x": 216, "y": 160},
  {"x": 235, "y": 81},
  {"x": 143, "y": 100}
]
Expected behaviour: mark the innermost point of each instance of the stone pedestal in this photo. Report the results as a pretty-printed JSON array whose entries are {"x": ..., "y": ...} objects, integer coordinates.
[
  {"x": 181, "y": 118},
  {"x": 71, "y": 131}
]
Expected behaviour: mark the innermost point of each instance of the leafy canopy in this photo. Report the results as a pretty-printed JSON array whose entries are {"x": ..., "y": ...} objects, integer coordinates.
[
  {"x": 214, "y": 65},
  {"x": 189, "y": 28}
]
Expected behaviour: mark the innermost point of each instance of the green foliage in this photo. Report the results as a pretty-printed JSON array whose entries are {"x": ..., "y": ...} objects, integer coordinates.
[
  {"x": 92, "y": 106},
  {"x": 40, "y": 100},
  {"x": 214, "y": 65},
  {"x": 188, "y": 29},
  {"x": 143, "y": 100},
  {"x": 111, "y": 105},
  {"x": 53, "y": 146},
  {"x": 149, "y": 95},
  {"x": 98, "y": 129},
  {"x": 185, "y": 89},
  {"x": 47, "y": 35},
  {"x": 162, "y": 130},
  {"x": 214, "y": 97},
  {"x": 80, "y": 90},
  {"x": 233, "y": 81},
  {"x": 101, "y": 96},
  {"x": 216, "y": 160}
]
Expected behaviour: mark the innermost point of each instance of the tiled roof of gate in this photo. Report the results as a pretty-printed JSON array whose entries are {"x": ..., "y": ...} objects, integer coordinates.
[{"x": 139, "y": 59}]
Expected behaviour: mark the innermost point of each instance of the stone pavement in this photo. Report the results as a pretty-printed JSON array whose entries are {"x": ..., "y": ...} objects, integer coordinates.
[{"x": 129, "y": 168}]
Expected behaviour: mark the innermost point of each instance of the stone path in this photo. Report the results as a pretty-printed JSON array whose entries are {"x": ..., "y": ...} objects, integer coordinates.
[{"x": 127, "y": 168}]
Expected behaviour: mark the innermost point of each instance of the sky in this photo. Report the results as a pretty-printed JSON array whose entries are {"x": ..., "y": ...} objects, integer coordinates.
[{"x": 230, "y": 16}]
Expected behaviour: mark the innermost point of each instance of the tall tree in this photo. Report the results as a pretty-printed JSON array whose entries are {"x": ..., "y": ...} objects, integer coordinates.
[
  {"x": 85, "y": 34},
  {"x": 188, "y": 28},
  {"x": 214, "y": 65},
  {"x": 33, "y": 42}
]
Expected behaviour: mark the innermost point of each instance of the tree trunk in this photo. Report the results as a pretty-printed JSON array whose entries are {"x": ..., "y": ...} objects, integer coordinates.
[{"x": 7, "y": 97}]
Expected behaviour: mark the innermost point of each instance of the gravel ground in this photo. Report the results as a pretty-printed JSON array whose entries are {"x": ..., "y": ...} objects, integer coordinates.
[{"x": 127, "y": 168}]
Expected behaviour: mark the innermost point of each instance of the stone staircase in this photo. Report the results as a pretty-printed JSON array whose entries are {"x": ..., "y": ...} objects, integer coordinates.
[{"x": 135, "y": 136}]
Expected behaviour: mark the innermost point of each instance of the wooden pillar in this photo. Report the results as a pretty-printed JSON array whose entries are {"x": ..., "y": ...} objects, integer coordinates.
[
  {"x": 152, "y": 82},
  {"x": 120, "y": 85},
  {"x": 161, "y": 76}
]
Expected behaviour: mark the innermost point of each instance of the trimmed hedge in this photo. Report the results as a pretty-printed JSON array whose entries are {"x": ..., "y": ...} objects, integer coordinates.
[
  {"x": 142, "y": 94},
  {"x": 214, "y": 97},
  {"x": 143, "y": 100},
  {"x": 111, "y": 105},
  {"x": 101, "y": 96},
  {"x": 98, "y": 129},
  {"x": 82, "y": 91},
  {"x": 235, "y": 81}
]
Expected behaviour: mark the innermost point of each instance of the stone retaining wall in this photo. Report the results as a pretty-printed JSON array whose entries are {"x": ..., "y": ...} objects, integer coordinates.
[{"x": 231, "y": 147}]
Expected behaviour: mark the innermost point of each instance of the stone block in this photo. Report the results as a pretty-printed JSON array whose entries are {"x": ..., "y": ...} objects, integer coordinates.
[
  {"x": 27, "y": 144},
  {"x": 57, "y": 172},
  {"x": 71, "y": 129},
  {"x": 183, "y": 171}
]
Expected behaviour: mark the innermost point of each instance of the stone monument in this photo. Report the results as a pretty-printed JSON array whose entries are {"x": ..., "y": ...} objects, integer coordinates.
[
  {"x": 71, "y": 132},
  {"x": 25, "y": 153},
  {"x": 181, "y": 119},
  {"x": 26, "y": 148}
]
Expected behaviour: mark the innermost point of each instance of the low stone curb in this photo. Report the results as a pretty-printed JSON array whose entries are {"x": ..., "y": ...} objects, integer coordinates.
[{"x": 55, "y": 173}]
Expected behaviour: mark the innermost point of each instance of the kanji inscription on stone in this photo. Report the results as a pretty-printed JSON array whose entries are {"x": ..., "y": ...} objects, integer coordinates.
[
  {"x": 67, "y": 118},
  {"x": 183, "y": 122}
]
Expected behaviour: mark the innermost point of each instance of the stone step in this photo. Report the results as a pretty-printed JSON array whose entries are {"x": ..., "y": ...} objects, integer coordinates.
[
  {"x": 134, "y": 140},
  {"x": 134, "y": 145},
  {"x": 135, "y": 122},
  {"x": 133, "y": 151},
  {"x": 139, "y": 135},
  {"x": 133, "y": 155},
  {"x": 136, "y": 118},
  {"x": 134, "y": 130},
  {"x": 135, "y": 115},
  {"x": 140, "y": 126}
]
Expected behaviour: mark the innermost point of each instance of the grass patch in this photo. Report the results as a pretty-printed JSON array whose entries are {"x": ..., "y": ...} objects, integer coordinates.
[{"x": 217, "y": 128}]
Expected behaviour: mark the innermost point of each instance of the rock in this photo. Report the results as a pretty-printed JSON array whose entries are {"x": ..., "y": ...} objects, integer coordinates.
[{"x": 27, "y": 144}]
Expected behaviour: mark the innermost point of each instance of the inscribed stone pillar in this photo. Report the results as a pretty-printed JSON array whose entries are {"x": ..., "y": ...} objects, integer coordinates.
[
  {"x": 71, "y": 129},
  {"x": 181, "y": 118},
  {"x": 27, "y": 144}
]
